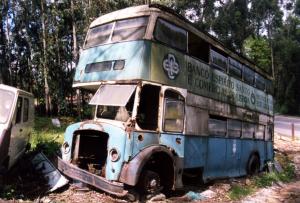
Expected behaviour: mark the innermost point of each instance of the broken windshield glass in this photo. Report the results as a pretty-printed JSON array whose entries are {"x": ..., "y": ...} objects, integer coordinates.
[
  {"x": 114, "y": 102},
  {"x": 6, "y": 102},
  {"x": 113, "y": 95}
]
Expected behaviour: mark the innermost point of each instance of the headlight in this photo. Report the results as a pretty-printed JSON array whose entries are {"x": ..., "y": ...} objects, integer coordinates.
[
  {"x": 65, "y": 148},
  {"x": 114, "y": 155}
]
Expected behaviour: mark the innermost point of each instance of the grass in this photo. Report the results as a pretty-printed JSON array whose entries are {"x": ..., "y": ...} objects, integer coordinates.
[
  {"x": 46, "y": 136},
  {"x": 264, "y": 180},
  {"x": 237, "y": 192}
]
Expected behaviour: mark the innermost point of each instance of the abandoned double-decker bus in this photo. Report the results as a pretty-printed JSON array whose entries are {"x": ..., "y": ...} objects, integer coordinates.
[{"x": 170, "y": 100}]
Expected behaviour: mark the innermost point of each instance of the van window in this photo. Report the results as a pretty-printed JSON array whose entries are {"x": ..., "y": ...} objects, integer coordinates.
[
  {"x": 6, "y": 102},
  {"x": 130, "y": 29},
  {"x": 174, "y": 112},
  {"x": 19, "y": 110},
  {"x": 26, "y": 110},
  {"x": 218, "y": 60},
  {"x": 170, "y": 34}
]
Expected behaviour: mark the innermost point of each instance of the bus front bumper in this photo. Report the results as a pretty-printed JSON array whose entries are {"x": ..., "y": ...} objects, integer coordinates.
[{"x": 84, "y": 176}]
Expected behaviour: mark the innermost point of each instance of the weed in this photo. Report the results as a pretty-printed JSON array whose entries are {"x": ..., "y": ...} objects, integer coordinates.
[
  {"x": 238, "y": 191},
  {"x": 47, "y": 137}
]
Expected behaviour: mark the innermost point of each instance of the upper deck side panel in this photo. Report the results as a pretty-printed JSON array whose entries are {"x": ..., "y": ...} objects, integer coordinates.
[
  {"x": 135, "y": 53},
  {"x": 176, "y": 69}
]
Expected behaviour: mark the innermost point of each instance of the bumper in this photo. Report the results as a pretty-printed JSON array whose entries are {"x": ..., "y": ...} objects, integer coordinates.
[{"x": 84, "y": 176}]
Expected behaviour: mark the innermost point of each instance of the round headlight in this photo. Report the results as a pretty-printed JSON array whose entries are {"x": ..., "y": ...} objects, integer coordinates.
[
  {"x": 114, "y": 155},
  {"x": 65, "y": 148}
]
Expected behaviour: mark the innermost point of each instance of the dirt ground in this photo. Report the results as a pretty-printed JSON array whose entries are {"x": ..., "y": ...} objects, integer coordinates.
[{"x": 26, "y": 187}]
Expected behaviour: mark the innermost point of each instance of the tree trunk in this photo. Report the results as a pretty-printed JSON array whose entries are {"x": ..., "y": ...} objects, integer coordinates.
[
  {"x": 74, "y": 34},
  {"x": 45, "y": 69}
]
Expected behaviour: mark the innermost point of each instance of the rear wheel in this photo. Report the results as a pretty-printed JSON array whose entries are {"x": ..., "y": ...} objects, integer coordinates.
[{"x": 253, "y": 165}]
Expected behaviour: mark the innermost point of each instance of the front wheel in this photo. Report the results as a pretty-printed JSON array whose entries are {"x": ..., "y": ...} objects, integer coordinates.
[
  {"x": 253, "y": 165},
  {"x": 150, "y": 182}
]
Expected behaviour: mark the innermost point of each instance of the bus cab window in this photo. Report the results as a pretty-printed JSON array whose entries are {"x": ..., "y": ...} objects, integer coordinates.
[
  {"x": 174, "y": 112},
  {"x": 170, "y": 34},
  {"x": 130, "y": 29},
  {"x": 218, "y": 61},
  {"x": 197, "y": 47},
  {"x": 147, "y": 115},
  {"x": 217, "y": 126}
]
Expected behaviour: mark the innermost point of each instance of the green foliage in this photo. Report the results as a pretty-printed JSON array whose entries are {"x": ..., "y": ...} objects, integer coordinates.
[
  {"x": 258, "y": 49},
  {"x": 47, "y": 137},
  {"x": 268, "y": 179},
  {"x": 237, "y": 192}
]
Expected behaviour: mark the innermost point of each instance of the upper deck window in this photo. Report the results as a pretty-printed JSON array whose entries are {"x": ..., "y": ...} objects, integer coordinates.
[
  {"x": 123, "y": 30},
  {"x": 235, "y": 68},
  {"x": 218, "y": 60},
  {"x": 170, "y": 34},
  {"x": 98, "y": 35},
  {"x": 130, "y": 29},
  {"x": 260, "y": 82},
  {"x": 248, "y": 75}
]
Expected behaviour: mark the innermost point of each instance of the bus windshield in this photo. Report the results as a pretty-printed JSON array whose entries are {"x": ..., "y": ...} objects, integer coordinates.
[
  {"x": 6, "y": 102},
  {"x": 120, "y": 30},
  {"x": 114, "y": 102}
]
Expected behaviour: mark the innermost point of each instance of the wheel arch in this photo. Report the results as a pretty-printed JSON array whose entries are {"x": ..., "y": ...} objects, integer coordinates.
[{"x": 131, "y": 171}]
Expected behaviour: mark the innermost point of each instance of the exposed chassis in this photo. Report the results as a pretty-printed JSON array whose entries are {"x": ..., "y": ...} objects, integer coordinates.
[{"x": 84, "y": 176}]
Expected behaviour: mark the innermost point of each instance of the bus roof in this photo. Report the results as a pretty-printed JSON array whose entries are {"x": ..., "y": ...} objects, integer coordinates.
[{"x": 179, "y": 20}]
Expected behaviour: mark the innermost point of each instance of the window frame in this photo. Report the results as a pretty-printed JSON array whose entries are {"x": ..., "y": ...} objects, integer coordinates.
[
  {"x": 19, "y": 111},
  {"x": 164, "y": 110},
  {"x": 166, "y": 44},
  {"x": 109, "y": 41},
  {"x": 214, "y": 65},
  {"x": 25, "y": 110}
]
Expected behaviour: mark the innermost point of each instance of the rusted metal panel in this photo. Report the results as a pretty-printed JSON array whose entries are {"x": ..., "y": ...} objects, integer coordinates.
[
  {"x": 196, "y": 121},
  {"x": 131, "y": 171},
  {"x": 86, "y": 177}
]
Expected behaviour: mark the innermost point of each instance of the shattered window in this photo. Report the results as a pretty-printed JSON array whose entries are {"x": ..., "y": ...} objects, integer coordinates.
[
  {"x": 130, "y": 29},
  {"x": 6, "y": 102},
  {"x": 98, "y": 35},
  {"x": 114, "y": 102}
]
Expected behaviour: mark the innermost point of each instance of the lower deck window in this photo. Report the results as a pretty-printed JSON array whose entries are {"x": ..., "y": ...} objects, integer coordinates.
[
  {"x": 217, "y": 126},
  {"x": 260, "y": 132},
  {"x": 248, "y": 130},
  {"x": 234, "y": 128}
]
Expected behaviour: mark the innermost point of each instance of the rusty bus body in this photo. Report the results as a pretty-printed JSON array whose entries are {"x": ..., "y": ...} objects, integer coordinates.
[{"x": 170, "y": 100}]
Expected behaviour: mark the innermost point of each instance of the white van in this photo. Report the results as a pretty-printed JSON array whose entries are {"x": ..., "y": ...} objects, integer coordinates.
[{"x": 16, "y": 123}]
